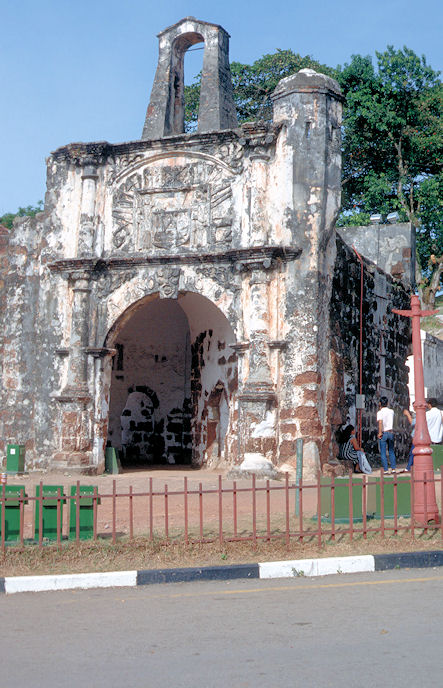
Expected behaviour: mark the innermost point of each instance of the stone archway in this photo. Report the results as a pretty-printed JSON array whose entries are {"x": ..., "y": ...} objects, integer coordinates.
[{"x": 173, "y": 382}]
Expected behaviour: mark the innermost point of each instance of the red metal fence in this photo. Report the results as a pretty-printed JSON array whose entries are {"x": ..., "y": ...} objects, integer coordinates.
[{"x": 230, "y": 512}]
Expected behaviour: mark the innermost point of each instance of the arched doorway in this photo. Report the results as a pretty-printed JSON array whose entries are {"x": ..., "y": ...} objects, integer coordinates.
[{"x": 173, "y": 382}]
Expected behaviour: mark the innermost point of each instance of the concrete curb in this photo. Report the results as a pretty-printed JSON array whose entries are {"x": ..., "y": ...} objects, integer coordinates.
[{"x": 269, "y": 569}]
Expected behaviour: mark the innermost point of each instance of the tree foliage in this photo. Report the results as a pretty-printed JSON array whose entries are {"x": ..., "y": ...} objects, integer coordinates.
[
  {"x": 31, "y": 210},
  {"x": 392, "y": 138},
  {"x": 254, "y": 84},
  {"x": 392, "y": 149}
]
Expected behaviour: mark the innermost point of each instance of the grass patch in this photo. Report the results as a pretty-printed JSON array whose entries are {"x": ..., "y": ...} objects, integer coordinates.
[{"x": 142, "y": 553}]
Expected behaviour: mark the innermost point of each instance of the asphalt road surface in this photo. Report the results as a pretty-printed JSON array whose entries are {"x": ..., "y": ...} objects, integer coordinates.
[{"x": 382, "y": 629}]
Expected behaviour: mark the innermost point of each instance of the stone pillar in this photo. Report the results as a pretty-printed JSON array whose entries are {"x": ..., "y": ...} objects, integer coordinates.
[
  {"x": 216, "y": 109},
  {"x": 87, "y": 214},
  {"x": 76, "y": 411},
  {"x": 257, "y": 399},
  {"x": 307, "y": 106},
  {"x": 258, "y": 183},
  {"x": 78, "y": 362}
]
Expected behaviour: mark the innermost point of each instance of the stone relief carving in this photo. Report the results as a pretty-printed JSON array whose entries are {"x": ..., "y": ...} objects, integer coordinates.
[
  {"x": 109, "y": 281},
  {"x": 175, "y": 203},
  {"x": 165, "y": 281}
]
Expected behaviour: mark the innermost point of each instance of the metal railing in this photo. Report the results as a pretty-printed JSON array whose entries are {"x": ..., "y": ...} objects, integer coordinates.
[{"x": 259, "y": 511}]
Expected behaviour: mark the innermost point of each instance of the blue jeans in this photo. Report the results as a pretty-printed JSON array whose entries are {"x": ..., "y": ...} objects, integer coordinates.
[
  {"x": 411, "y": 459},
  {"x": 387, "y": 439}
]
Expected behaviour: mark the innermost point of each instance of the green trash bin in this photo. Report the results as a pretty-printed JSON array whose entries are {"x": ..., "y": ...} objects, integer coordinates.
[
  {"x": 341, "y": 499},
  {"x": 15, "y": 458},
  {"x": 12, "y": 510},
  {"x": 86, "y": 512},
  {"x": 49, "y": 511}
]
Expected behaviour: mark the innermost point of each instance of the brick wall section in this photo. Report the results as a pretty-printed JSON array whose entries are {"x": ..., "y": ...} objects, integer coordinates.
[{"x": 386, "y": 344}]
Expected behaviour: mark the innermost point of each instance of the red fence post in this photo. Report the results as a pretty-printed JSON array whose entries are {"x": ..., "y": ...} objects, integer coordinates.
[
  {"x": 220, "y": 510},
  {"x": 287, "y": 509},
  {"x": 77, "y": 513},
  {"x": 131, "y": 514},
  {"x": 425, "y": 503},
  {"x": 3, "y": 517},
  {"x": 166, "y": 513},
  {"x": 351, "y": 508},
  {"x": 333, "y": 508},
  {"x": 40, "y": 516},
  {"x": 151, "y": 525},
  {"x": 114, "y": 510},
  {"x": 200, "y": 502},
  {"x": 234, "y": 505},
  {"x": 22, "y": 518},
  {"x": 300, "y": 504},
  {"x": 382, "y": 502},
  {"x": 254, "y": 511},
  {"x": 59, "y": 523},
  {"x": 364, "y": 506},
  {"x": 185, "y": 496},
  {"x": 94, "y": 513}
]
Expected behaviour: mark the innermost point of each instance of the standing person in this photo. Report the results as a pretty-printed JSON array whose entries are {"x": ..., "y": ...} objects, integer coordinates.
[
  {"x": 434, "y": 420},
  {"x": 385, "y": 422},
  {"x": 411, "y": 418}
]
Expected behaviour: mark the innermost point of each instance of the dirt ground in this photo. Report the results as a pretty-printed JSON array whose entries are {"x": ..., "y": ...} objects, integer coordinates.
[{"x": 141, "y": 552}]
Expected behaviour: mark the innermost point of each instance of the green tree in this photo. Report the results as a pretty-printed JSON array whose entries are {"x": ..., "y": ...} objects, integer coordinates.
[
  {"x": 31, "y": 210},
  {"x": 392, "y": 138},
  {"x": 254, "y": 84},
  {"x": 392, "y": 150}
]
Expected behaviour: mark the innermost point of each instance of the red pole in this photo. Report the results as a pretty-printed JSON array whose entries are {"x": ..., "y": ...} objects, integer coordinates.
[
  {"x": 425, "y": 505},
  {"x": 360, "y": 352}
]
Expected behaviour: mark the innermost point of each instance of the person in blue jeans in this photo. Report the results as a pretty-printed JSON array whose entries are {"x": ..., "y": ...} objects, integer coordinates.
[
  {"x": 411, "y": 418},
  {"x": 385, "y": 422}
]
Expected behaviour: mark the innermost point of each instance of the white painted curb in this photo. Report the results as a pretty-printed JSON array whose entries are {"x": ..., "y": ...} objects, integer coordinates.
[
  {"x": 70, "y": 581},
  {"x": 316, "y": 567}
]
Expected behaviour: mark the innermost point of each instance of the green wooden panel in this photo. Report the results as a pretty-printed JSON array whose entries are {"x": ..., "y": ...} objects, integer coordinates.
[
  {"x": 12, "y": 511},
  {"x": 341, "y": 499},
  {"x": 49, "y": 511},
  {"x": 437, "y": 456},
  {"x": 403, "y": 497},
  {"x": 86, "y": 513}
]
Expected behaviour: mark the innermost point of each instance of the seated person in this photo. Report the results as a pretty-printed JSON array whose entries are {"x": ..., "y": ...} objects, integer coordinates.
[{"x": 348, "y": 447}]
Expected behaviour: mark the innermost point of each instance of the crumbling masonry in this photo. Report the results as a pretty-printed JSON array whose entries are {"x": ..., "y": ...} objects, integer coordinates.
[{"x": 179, "y": 298}]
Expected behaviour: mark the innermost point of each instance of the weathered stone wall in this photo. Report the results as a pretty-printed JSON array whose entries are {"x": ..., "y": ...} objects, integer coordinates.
[
  {"x": 432, "y": 352},
  {"x": 386, "y": 344},
  {"x": 388, "y": 246},
  {"x": 237, "y": 228}
]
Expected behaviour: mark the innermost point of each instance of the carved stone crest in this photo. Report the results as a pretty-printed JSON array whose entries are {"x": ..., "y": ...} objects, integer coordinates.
[
  {"x": 166, "y": 282},
  {"x": 177, "y": 202}
]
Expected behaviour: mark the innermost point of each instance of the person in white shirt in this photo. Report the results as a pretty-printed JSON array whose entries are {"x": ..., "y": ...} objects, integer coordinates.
[
  {"x": 434, "y": 420},
  {"x": 385, "y": 422}
]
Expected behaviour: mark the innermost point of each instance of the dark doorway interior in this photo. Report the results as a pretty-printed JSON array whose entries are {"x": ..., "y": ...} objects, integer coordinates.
[{"x": 150, "y": 409}]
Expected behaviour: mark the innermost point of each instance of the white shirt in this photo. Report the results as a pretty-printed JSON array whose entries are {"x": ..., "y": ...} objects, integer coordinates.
[
  {"x": 386, "y": 415},
  {"x": 435, "y": 425}
]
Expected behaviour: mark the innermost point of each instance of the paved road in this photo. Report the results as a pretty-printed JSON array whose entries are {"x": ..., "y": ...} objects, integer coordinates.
[{"x": 383, "y": 629}]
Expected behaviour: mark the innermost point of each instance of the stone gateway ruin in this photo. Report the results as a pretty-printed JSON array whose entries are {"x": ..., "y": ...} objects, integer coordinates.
[{"x": 185, "y": 297}]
